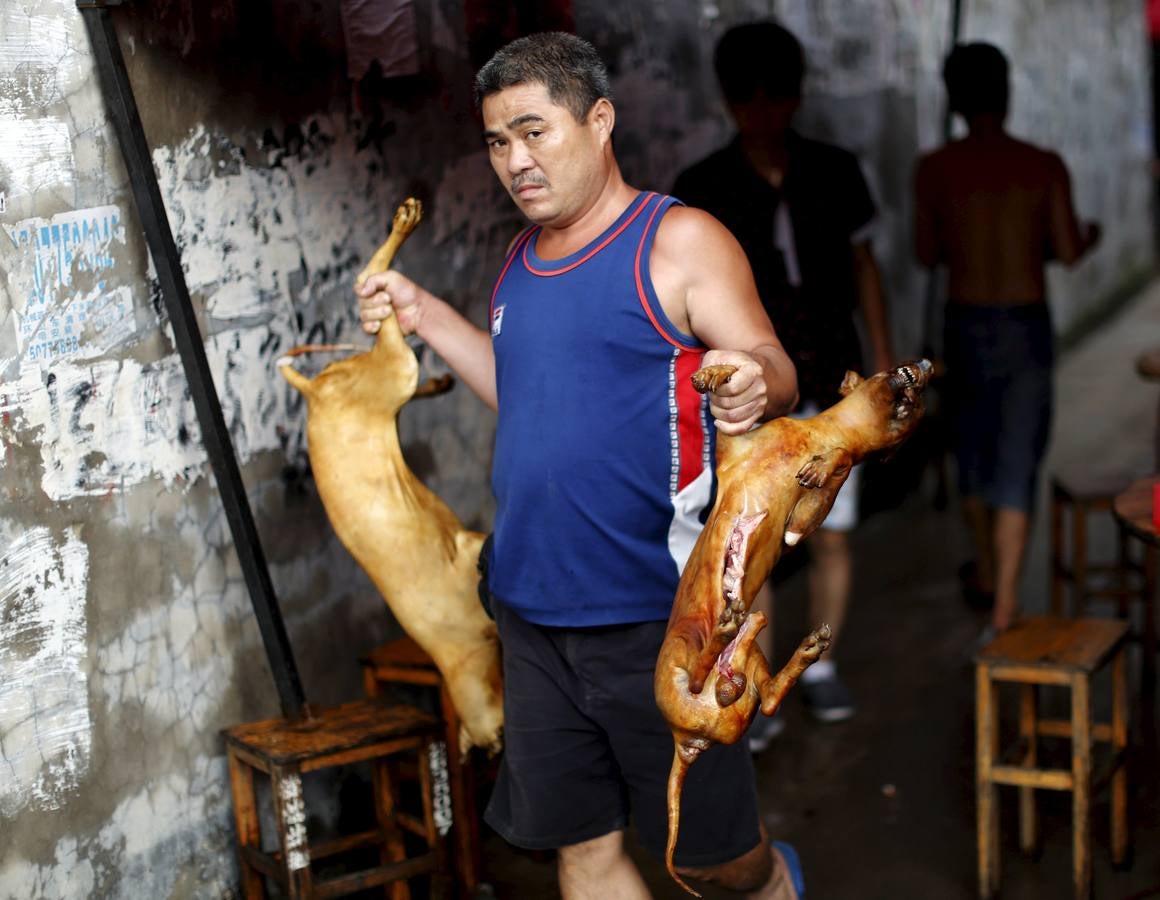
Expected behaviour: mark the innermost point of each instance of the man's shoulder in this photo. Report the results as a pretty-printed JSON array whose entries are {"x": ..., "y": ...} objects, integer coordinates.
[{"x": 683, "y": 226}]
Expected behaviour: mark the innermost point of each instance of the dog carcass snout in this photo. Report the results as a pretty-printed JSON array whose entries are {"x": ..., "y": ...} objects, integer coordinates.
[{"x": 913, "y": 374}]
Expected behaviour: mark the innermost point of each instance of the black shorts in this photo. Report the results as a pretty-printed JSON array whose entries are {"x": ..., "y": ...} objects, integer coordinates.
[{"x": 586, "y": 748}]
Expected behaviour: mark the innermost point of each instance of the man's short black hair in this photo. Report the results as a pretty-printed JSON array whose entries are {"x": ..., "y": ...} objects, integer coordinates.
[
  {"x": 567, "y": 65},
  {"x": 976, "y": 76},
  {"x": 759, "y": 56}
]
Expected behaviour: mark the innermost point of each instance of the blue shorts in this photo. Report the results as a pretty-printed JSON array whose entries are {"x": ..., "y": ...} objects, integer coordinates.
[
  {"x": 586, "y": 749},
  {"x": 999, "y": 377}
]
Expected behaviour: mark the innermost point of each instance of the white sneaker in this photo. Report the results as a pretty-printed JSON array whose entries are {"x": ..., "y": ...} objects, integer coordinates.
[{"x": 763, "y": 730}]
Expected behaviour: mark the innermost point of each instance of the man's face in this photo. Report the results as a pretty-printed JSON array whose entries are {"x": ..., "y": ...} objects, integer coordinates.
[
  {"x": 553, "y": 166},
  {"x": 764, "y": 116}
]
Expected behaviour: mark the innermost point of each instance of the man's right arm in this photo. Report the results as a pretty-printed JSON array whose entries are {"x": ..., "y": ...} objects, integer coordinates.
[
  {"x": 1068, "y": 241},
  {"x": 464, "y": 347}
]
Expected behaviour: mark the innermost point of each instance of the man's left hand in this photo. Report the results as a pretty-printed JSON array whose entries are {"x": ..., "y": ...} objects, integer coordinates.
[{"x": 739, "y": 403}]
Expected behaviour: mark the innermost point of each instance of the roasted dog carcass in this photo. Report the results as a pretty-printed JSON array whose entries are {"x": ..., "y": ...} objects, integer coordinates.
[
  {"x": 415, "y": 550},
  {"x": 775, "y": 486}
]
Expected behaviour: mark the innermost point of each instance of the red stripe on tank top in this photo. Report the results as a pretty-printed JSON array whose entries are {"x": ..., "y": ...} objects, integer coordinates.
[
  {"x": 520, "y": 238},
  {"x": 591, "y": 253},
  {"x": 640, "y": 292},
  {"x": 689, "y": 430}
]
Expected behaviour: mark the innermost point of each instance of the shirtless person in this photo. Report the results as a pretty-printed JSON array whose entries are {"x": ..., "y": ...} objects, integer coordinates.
[{"x": 995, "y": 210}]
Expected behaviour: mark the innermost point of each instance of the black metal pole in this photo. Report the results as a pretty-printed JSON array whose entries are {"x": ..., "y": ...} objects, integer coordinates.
[
  {"x": 932, "y": 344},
  {"x": 122, "y": 108},
  {"x": 956, "y": 31}
]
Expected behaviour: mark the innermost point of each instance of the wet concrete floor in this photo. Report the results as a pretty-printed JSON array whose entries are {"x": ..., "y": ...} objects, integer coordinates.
[{"x": 882, "y": 806}]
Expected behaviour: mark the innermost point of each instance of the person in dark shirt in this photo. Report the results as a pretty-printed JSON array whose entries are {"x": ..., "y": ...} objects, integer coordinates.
[{"x": 803, "y": 213}]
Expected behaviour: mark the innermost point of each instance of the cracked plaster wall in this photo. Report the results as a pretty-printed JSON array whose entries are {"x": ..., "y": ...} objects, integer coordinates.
[{"x": 126, "y": 637}]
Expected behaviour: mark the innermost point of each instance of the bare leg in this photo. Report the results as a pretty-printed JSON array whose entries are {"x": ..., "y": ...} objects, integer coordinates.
[
  {"x": 1010, "y": 537},
  {"x": 760, "y": 874},
  {"x": 980, "y": 525},
  {"x": 829, "y": 579},
  {"x": 598, "y": 869}
]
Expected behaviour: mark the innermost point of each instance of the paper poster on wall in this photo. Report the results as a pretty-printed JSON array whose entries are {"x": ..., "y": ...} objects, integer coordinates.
[{"x": 59, "y": 281}]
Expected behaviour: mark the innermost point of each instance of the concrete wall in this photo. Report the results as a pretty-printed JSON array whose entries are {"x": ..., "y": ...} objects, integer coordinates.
[{"x": 126, "y": 637}]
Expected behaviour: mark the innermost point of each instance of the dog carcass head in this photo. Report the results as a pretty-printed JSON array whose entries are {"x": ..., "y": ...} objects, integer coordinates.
[{"x": 893, "y": 399}]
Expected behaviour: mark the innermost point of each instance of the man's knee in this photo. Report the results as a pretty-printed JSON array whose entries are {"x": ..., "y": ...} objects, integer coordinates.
[{"x": 745, "y": 875}]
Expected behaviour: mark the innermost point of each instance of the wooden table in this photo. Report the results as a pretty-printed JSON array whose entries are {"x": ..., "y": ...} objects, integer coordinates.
[{"x": 1132, "y": 510}]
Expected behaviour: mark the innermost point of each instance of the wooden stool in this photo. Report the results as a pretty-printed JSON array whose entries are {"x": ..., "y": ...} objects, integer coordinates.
[
  {"x": 1067, "y": 652},
  {"x": 1128, "y": 574},
  {"x": 366, "y": 730},
  {"x": 405, "y": 662}
]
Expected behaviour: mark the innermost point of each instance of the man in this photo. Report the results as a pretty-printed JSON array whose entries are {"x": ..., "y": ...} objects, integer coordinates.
[
  {"x": 995, "y": 210},
  {"x": 803, "y": 213},
  {"x": 602, "y": 468}
]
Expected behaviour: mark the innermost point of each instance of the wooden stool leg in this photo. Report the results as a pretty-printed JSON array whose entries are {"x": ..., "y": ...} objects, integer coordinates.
[
  {"x": 1081, "y": 773},
  {"x": 370, "y": 682},
  {"x": 1148, "y": 641},
  {"x": 392, "y": 849},
  {"x": 986, "y": 792},
  {"x": 1123, "y": 608},
  {"x": 1119, "y": 750},
  {"x": 464, "y": 819},
  {"x": 1028, "y": 730},
  {"x": 246, "y": 821},
  {"x": 434, "y": 840},
  {"x": 291, "y": 814},
  {"x": 1079, "y": 560},
  {"x": 1055, "y": 562}
]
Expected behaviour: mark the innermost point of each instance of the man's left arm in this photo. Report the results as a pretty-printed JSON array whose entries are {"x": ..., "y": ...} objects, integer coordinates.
[
  {"x": 707, "y": 290},
  {"x": 860, "y": 214}
]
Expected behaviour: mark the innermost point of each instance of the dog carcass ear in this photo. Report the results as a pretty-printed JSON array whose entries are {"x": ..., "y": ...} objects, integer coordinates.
[
  {"x": 851, "y": 381},
  {"x": 297, "y": 380}
]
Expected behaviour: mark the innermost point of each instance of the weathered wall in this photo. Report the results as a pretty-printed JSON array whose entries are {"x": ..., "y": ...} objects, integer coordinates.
[{"x": 126, "y": 638}]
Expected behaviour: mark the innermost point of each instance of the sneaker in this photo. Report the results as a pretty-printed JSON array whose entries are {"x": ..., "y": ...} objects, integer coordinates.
[
  {"x": 828, "y": 700},
  {"x": 988, "y": 634},
  {"x": 793, "y": 867},
  {"x": 762, "y": 731}
]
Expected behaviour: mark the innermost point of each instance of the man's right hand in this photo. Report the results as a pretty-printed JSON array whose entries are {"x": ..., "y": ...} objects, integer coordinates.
[{"x": 386, "y": 293}]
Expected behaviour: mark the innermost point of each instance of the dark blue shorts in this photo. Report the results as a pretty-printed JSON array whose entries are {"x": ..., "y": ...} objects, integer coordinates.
[
  {"x": 586, "y": 750},
  {"x": 999, "y": 375}
]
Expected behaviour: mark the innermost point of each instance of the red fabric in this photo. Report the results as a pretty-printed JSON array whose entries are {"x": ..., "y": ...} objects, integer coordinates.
[
  {"x": 1154, "y": 19},
  {"x": 382, "y": 31}
]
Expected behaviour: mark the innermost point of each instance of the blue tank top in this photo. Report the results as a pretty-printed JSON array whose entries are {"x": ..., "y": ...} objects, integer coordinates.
[{"x": 603, "y": 459}]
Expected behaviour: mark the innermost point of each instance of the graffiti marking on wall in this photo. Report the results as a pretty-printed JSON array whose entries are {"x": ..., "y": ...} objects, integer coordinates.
[
  {"x": 45, "y": 730},
  {"x": 293, "y": 823}
]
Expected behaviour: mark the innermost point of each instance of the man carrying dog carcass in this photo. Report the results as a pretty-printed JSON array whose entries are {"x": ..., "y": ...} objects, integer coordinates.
[{"x": 604, "y": 306}]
